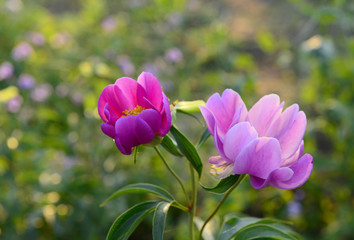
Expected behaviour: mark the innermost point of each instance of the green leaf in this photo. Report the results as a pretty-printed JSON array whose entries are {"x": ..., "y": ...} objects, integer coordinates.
[
  {"x": 261, "y": 231},
  {"x": 223, "y": 185},
  {"x": 127, "y": 222},
  {"x": 188, "y": 150},
  {"x": 159, "y": 220},
  {"x": 141, "y": 188},
  {"x": 168, "y": 144},
  {"x": 205, "y": 136},
  {"x": 135, "y": 154},
  {"x": 254, "y": 228}
]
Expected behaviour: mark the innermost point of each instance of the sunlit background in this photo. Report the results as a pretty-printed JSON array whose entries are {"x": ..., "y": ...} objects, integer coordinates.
[{"x": 56, "y": 166}]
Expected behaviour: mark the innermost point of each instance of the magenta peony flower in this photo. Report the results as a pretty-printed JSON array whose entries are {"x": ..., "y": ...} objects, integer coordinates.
[
  {"x": 134, "y": 112},
  {"x": 265, "y": 142}
]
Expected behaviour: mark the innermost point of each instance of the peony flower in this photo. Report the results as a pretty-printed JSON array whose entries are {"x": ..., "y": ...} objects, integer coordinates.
[
  {"x": 134, "y": 112},
  {"x": 264, "y": 142}
]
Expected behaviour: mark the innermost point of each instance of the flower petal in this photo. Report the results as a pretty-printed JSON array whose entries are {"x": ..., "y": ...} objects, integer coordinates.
[
  {"x": 259, "y": 158},
  {"x": 209, "y": 119},
  {"x": 129, "y": 93},
  {"x": 292, "y": 138},
  {"x": 293, "y": 158},
  {"x": 132, "y": 131},
  {"x": 166, "y": 117},
  {"x": 152, "y": 88},
  {"x": 284, "y": 120},
  {"x": 280, "y": 174},
  {"x": 262, "y": 113},
  {"x": 152, "y": 118},
  {"x": 219, "y": 167},
  {"x": 302, "y": 170},
  {"x": 237, "y": 138},
  {"x": 108, "y": 129}
]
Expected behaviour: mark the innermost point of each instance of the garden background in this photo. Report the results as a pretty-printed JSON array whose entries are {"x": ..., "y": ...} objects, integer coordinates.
[{"x": 56, "y": 166}]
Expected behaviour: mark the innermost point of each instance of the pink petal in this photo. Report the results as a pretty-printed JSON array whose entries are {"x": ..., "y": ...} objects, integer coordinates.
[
  {"x": 262, "y": 113},
  {"x": 129, "y": 93},
  {"x": 232, "y": 101},
  {"x": 283, "y": 121},
  {"x": 293, "y": 158},
  {"x": 302, "y": 170},
  {"x": 152, "y": 88},
  {"x": 291, "y": 139},
  {"x": 259, "y": 158},
  {"x": 237, "y": 138},
  {"x": 209, "y": 119},
  {"x": 281, "y": 174},
  {"x": 166, "y": 117}
]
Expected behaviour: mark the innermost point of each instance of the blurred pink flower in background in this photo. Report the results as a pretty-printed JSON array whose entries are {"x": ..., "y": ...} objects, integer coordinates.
[
  {"x": 6, "y": 70},
  {"x": 42, "y": 92},
  {"x": 14, "y": 104},
  {"x": 36, "y": 38},
  {"x": 26, "y": 81},
  {"x": 134, "y": 112},
  {"x": 173, "y": 55},
  {"x": 109, "y": 24},
  {"x": 264, "y": 142},
  {"x": 125, "y": 65},
  {"x": 22, "y": 51}
]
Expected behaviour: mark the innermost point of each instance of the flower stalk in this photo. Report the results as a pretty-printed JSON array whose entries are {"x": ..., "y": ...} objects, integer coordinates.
[{"x": 220, "y": 203}]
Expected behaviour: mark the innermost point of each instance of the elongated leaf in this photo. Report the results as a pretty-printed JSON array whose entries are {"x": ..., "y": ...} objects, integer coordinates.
[
  {"x": 261, "y": 231},
  {"x": 205, "y": 136},
  {"x": 126, "y": 223},
  {"x": 141, "y": 188},
  {"x": 188, "y": 150},
  {"x": 159, "y": 220},
  {"x": 168, "y": 144},
  {"x": 234, "y": 227},
  {"x": 223, "y": 185}
]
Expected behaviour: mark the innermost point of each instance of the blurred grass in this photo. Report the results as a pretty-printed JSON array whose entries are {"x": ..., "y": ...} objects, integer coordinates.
[{"x": 55, "y": 164}]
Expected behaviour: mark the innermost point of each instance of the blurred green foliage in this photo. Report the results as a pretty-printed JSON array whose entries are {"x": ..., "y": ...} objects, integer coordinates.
[{"x": 56, "y": 166}]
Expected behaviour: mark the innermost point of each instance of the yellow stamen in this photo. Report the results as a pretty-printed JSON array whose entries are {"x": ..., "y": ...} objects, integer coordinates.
[{"x": 138, "y": 109}]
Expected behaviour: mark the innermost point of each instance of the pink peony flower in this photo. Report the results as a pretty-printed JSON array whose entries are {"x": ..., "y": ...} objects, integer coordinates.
[
  {"x": 134, "y": 112},
  {"x": 264, "y": 142}
]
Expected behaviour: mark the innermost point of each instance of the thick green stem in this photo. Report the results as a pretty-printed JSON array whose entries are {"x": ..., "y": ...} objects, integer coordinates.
[
  {"x": 172, "y": 172},
  {"x": 239, "y": 180},
  {"x": 192, "y": 204}
]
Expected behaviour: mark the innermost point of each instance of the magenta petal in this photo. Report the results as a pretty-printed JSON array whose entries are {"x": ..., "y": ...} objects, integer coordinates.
[
  {"x": 121, "y": 148},
  {"x": 152, "y": 118},
  {"x": 258, "y": 183},
  {"x": 237, "y": 138},
  {"x": 129, "y": 93},
  {"x": 152, "y": 88},
  {"x": 102, "y": 101},
  {"x": 259, "y": 158},
  {"x": 302, "y": 170},
  {"x": 292, "y": 138},
  {"x": 209, "y": 119},
  {"x": 108, "y": 129},
  {"x": 132, "y": 131},
  {"x": 262, "y": 113},
  {"x": 166, "y": 117}
]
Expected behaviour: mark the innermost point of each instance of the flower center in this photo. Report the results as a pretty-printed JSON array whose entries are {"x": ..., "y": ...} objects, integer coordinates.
[{"x": 138, "y": 109}]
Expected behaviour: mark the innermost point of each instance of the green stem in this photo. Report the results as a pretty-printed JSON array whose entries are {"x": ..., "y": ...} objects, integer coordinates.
[
  {"x": 192, "y": 204},
  {"x": 173, "y": 173},
  {"x": 239, "y": 180}
]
